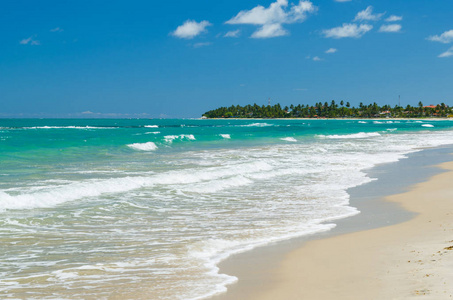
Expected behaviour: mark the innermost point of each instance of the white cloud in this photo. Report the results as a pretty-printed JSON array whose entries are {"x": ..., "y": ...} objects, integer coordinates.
[
  {"x": 233, "y": 33},
  {"x": 199, "y": 45},
  {"x": 347, "y": 31},
  {"x": 25, "y": 41},
  {"x": 394, "y": 18},
  {"x": 269, "y": 31},
  {"x": 331, "y": 50},
  {"x": 275, "y": 13},
  {"x": 446, "y": 37},
  {"x": 342, "y": 0},
  {"x": 56, "y": 29},
  {"x": 271, "y": 18},
  {"x": 390, "y": 28},
  {"x": 448, "y": 53},
  {"x": 30, "y": 41},
  {"x": 367, "y": 15},
  {"x": 190, "y": 29},
  {"x": 316, "y": 58}
]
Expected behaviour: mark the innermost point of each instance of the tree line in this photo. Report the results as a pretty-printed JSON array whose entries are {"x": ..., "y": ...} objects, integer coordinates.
[{"x": 331, "y": 110}]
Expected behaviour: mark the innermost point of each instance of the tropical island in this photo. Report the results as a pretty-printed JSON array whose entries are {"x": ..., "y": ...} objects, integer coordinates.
[{"x": 332, "y": 110}]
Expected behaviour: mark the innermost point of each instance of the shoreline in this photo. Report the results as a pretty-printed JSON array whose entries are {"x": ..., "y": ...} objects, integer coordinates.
[
  {"x": 267, "y": 270},
  {"x": 337, "y": 119}
]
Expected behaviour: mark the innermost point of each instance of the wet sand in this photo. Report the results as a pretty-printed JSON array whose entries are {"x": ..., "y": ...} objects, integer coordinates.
[{"x": 401, "y": 252}]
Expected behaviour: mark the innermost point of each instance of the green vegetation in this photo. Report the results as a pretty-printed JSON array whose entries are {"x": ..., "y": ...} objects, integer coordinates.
[{"x": 332, "y": 110}]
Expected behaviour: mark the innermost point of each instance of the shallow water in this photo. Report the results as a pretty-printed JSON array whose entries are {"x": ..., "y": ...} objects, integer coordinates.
[{"x": 113, "y": 208}]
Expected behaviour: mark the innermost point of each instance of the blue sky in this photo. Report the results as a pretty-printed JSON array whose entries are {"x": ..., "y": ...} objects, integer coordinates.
[{"x": 182, "y": 58}]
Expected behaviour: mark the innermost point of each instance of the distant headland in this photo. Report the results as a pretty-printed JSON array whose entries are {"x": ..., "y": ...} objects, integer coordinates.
[{"x": 332, "y": 110}]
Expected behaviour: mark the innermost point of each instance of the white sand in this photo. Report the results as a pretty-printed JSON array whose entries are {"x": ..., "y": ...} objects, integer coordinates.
[{"x": 410, "y": 260}]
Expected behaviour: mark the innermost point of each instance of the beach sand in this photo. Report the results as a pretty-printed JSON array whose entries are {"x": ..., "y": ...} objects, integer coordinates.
[{"x": 409, "y": 260}]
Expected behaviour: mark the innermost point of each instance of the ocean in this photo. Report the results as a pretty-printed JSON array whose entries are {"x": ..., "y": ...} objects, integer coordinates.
[{"x": 146, "y": 209}]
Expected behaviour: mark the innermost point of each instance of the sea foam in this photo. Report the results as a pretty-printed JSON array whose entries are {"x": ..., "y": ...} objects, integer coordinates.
[
  {"x": 360, "y": 135},
  {"x": 149, "y": 146},
  {"x": 256, "y": 125},
  {"x": 289, "y": 139},
  {"x": 49, "y": 196},
  {"x": 176, "y": 215},
  {"x": 171, "y": 138}
]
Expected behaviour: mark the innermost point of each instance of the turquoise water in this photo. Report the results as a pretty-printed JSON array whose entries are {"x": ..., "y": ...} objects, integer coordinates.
[{"x": 147, "y": 208}]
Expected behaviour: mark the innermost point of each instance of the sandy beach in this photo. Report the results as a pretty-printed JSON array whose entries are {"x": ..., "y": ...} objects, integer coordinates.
[{"x": 409, "y": 260}]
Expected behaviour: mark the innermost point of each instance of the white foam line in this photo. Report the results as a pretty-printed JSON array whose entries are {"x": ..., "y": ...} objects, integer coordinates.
[
  {"x": 360, "y": 135},
  {"x": 149, "y": 146},
  {"x": 171, "y": 138},
  {"x": 289, "y": 139},
  {"x": 256, "y": 125},
  {"x": 56, "y": 195}
]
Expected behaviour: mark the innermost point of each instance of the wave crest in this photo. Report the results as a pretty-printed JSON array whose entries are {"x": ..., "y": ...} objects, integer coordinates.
[
  {"x": 171, "y": 138},
  {"x": 289, "y": 139},
  {"x": 149, "y": 146}
]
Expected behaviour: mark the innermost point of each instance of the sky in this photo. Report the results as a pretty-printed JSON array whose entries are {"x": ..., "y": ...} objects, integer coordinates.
[{"x": 179, "y": 59}]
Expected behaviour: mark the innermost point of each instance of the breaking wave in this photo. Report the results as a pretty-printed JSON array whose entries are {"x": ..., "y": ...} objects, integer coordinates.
[
  {"x": 149, "y": 146},
  {"x": 360, "y": 135}
]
